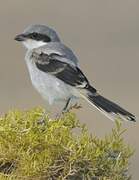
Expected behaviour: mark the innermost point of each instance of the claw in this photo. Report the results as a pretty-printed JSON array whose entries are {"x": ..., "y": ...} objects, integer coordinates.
[{"x": 75, "y": 106}]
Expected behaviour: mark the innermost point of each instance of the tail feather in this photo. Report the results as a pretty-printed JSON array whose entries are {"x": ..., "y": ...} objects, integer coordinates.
[{"x": 107, "y": 107}]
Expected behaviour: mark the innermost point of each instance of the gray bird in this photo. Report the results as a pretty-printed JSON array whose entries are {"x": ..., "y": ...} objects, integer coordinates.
[{"x": 55, "y": 73}]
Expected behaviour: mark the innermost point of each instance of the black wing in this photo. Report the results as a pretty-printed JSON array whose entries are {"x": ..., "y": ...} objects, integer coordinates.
[{"x": 62, "y": 70}]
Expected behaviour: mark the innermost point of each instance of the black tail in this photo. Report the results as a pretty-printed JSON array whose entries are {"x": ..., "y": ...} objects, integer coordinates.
[{"x": 107, "y": 107}]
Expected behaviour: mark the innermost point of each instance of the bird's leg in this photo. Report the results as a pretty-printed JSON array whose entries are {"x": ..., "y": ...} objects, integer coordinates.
[
  {"x": 75, "y": 106},
  {"x": 70, "y": 105},
  {"x": 66, "y": 107},
  {"x": 64, "y": 110}
]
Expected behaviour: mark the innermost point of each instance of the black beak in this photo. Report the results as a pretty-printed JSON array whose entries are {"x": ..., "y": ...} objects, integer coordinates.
[{"x": 20, "y": 37}]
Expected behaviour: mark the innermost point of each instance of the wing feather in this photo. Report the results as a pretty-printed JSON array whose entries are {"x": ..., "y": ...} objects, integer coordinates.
[{"x": 66, "y": 72}]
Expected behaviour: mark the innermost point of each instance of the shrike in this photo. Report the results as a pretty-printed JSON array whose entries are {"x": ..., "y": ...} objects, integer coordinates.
[{"x": 55, "y": 73}]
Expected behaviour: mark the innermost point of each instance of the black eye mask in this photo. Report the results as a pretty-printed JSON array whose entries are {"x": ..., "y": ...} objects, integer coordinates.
[{"x": 39, "y": 37}]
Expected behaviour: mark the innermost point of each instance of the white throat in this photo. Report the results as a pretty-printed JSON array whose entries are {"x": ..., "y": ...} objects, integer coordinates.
[{"x": 31, "y": 44}]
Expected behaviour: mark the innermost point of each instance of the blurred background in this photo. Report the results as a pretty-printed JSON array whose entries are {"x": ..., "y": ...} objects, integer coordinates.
[{"x": 105, "y": 37}]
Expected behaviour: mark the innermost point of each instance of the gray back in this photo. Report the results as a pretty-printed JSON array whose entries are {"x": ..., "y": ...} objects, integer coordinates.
[{"x": 61, "y": 49}]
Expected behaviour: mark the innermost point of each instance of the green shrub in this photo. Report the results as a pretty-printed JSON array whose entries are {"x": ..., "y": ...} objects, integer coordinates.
[{"x": 51, "y": 150}]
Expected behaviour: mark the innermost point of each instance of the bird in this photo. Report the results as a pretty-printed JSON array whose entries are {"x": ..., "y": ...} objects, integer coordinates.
[{"x": 55, "y": 73}]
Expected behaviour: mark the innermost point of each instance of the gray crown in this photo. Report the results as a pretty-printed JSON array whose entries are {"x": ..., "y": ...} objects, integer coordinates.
[{"x": 42, "y": 29}]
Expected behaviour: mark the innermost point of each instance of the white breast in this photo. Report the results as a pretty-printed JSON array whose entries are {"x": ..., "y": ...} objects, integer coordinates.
[{"x": 50, "y": 88}]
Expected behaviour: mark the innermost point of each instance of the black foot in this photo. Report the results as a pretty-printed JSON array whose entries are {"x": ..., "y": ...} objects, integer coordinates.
[{"x": 75, "y": 106}]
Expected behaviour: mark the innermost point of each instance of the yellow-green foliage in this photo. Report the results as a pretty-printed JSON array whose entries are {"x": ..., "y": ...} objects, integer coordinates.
[{"x": 51, "y": 150}]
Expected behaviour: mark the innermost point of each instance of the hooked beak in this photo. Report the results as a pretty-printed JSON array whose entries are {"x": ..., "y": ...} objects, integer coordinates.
[{"x": 20, "y": 37}]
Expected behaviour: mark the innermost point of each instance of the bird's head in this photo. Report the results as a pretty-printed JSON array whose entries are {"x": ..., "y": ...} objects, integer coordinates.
[{"x": 37, "y": 35}]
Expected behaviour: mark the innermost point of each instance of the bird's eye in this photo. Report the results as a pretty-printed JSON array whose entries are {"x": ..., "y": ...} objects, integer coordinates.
[{"x": 34, "y": 35}]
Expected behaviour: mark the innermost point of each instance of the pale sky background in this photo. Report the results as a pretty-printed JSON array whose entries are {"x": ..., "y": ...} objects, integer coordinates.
[{"x": 105, "y": 37}]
